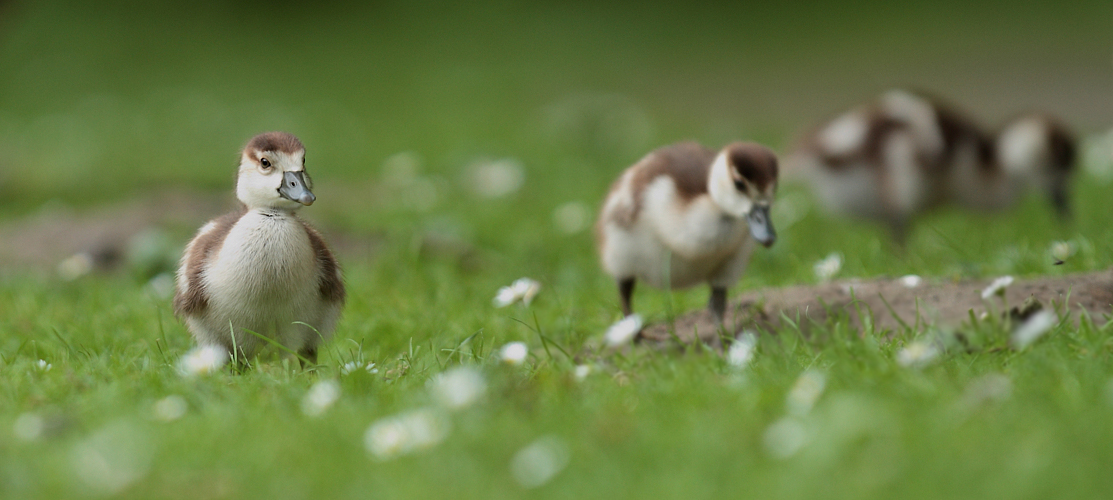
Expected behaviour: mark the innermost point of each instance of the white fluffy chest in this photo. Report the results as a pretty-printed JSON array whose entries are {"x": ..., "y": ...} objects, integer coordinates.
[
  {"x": 692, "y": 229},
  {"x": 265, "y": 262},
  {"x": 673, "y": 241}
]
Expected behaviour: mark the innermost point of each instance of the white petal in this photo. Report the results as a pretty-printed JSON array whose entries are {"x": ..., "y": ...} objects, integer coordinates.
[
  {"x": 916, "y": 354},
  {"x": 623, "y": 331},
  {"x": 538, "y": 462},
  {"x": 828, "y": 267},
  {"x": 111, "y": 459},
  {"x": 526, "y": 289},
  {"x": 75, "y": 266},
  {"x": 405, "y": 433},
  {"x": 997, "y": 287},
  {"x": 506, "y": 296},
  {"x": 170, "y": 408},
  {"x": 805, "y": 392},
  {"x": 911, "y": 281},
  {"x": 202, "y": 360},
  {"x": 784, "y": 438},
  {"x": 1062, "y": 250},
  {"x": 494, "y": 179},
  {"x": 320, "y": 397},
  {"x": 458, "y": 388},
  {"x": 514, "y": 353},
  {"x": 1039, "y": 324},
  {"x": 573, "y": 217},
  {"x": 28, "y": 426},
  {"x": 742, "y": 350}
]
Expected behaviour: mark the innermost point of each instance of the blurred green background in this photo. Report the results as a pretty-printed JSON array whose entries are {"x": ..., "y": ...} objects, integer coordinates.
[
  {"x": 99, "y": 100},
  {"x": 457, "y": 147}
]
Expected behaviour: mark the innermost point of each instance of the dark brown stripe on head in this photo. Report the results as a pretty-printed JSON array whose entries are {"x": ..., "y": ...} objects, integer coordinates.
[
  {"x": 195, "y": 298},
  {"x": 275, "y": 141},
  {"x": 329, "y": 282},
  {"x": 753, "y": 162}
]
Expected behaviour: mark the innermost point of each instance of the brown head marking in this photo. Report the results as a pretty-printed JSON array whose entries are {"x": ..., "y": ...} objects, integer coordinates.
[
  {"x": 754, "y": 163},
  {"x": 284, "y": 142}
]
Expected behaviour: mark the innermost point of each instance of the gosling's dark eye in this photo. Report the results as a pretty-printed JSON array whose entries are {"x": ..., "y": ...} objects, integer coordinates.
[
  {"x": 265, "y": 162},
  {"x": 740, "y": 185}
]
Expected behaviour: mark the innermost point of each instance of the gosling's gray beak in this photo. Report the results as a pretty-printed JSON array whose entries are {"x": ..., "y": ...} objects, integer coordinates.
[
  {"x": 761, "y": 227},
  {"x": 294, "y": 188}
]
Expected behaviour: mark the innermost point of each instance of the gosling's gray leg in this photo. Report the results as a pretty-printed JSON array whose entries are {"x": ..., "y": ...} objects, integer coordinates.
[
  {"x": 626, "y": 292},
  {"x": 308, "y": 356},
  {"x": 717, "y": 304}
]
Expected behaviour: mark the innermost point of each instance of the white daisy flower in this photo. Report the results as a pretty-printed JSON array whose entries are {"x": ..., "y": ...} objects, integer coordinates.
[
  {"x": 203, "y": 360},
  {"x": 405, "y": 433},
  {"x": 458, "y": 388},
  {"x": 997, "y": 287},
  {"x": 320, "y": 397},
  {"x": 539, "y": 462},
  {"x": 505, "y": 297},
  {"x": 524, "y": 289},
  {"x": 75, "y": 266},
  {"x": 784, "y": 438},
  {"x": 581, "y": 372},
  {"x": 805, "y": 392},
  {"x": 987, "y": 388},
  {"x": 911, "y": 281},
  {"x": 574, "y": 216},
  {"x": 828, "y": 267},
  {"x": 170, "y": 408},
  {"x": 28, "y": 427},
  {"x": 44, "y": 366},
  {"x": 353, "y": 366},
  {"x": 623, "y": 331},
  {"x": 495, "y": 179},
  {"x": 741, "y": 352},
  {"x": 1034, "y": 328},
  {"x": 113, "y": 458},
  {"x": 917, "y": 354},
  {"x": 514, "y": 353},
  {"x": 1061, "y": 251}
]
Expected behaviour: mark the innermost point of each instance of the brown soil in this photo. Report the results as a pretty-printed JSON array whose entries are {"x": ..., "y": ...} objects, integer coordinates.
[
  {"x": 39, "y": 241},
  {"x": 947, "y": 303}
]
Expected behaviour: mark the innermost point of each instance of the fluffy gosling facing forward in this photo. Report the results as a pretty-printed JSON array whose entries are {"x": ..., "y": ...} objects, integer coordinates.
[
  {"x": 685, "y": 214},
  {"x": 261, "y": 268}
]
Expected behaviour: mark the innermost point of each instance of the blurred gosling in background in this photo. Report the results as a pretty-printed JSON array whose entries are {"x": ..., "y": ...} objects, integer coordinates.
[{"x": 904, "y": 153}]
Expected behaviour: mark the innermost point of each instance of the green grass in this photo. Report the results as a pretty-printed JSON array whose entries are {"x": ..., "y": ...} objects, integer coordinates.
[{"x": 574, "y": 93}]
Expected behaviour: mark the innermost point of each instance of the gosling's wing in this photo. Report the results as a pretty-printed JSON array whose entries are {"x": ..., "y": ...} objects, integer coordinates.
[
  {"x": 330, "y": 282},
  {"x": 191, "y": 297}
]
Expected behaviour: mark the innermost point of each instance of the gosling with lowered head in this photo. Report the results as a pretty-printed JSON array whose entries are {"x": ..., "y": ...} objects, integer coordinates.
[{"x": 685, "y": 214}]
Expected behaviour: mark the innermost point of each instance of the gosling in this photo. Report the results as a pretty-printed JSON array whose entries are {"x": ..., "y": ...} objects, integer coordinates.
[
  {"x": 685, "y": 214},
  {"x": 261, "y": 268},
  {"x": 903, "y": 154}
]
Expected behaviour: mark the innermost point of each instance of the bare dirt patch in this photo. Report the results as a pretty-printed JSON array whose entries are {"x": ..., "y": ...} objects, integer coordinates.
[
  {"x": 41, "y": 240},
  {"x": 946, "y": 303}
]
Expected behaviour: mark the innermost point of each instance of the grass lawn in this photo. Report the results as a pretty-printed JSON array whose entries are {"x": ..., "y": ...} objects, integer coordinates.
[{"x": 398, "y": 118}]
